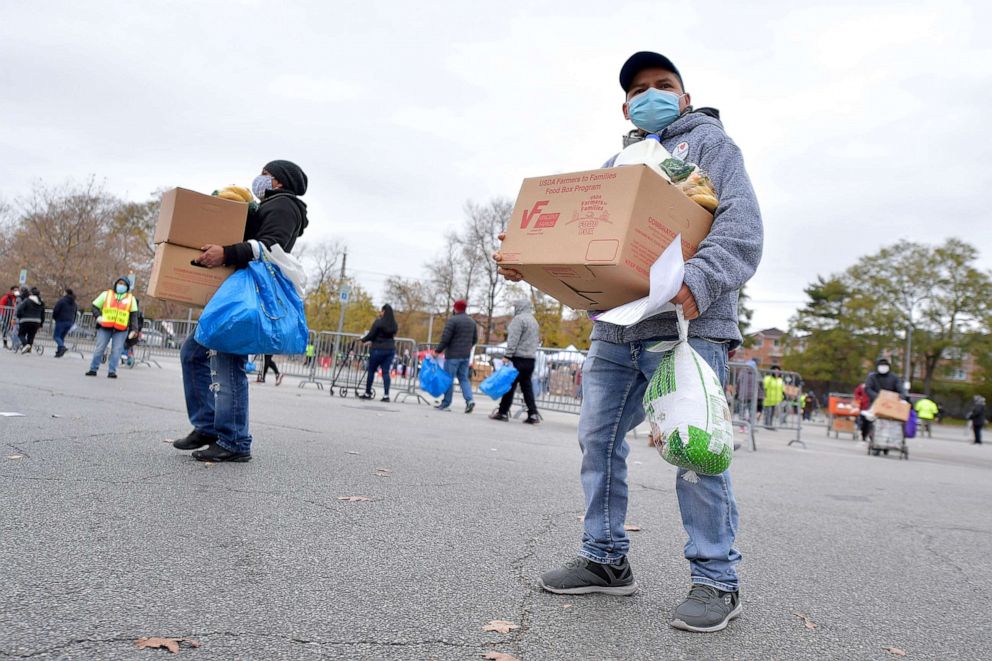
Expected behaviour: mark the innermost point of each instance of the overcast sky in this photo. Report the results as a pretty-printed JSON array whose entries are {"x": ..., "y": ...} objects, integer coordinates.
[{"x": 860, "y": 122}]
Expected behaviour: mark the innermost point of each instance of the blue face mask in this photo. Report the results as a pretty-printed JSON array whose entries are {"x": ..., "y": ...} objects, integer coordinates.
[
  {"x": 652, "y": 110},
  {"x": 260, "y": 185},
  {"x": 121, "y": 289}
]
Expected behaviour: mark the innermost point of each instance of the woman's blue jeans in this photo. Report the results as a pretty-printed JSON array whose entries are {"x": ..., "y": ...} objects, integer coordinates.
[
  {"x": 614, "y": 378},
  {"x": 216, "y": 387},
  {"x": 380, "y": 358}
]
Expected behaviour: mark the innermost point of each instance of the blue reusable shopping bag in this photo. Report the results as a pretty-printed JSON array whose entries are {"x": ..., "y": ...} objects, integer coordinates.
[
  {"x": 909, "y": 427},
  {"x": 499, "y": 382},
  {"x": 433, "y": 378},
  {"x": 256, "y": 310}
]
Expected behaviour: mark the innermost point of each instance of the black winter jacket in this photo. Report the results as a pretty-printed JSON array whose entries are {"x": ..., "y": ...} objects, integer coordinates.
[
  {"x": 876, "y": 382},
  {"x": 380, "y": 336},
  {"x": 459, "y": 336},
  {"x": 31, "y": 309},
  {"x": 65, "y": 309},
  {"x": 280, "y": 218}
]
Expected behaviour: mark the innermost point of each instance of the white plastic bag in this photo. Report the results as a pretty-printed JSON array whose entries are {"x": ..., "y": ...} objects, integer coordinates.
[
  {"x": 687, "y": 409},
  {"x": 647, "y": 152},
  {"x": 290, "y": 266}
]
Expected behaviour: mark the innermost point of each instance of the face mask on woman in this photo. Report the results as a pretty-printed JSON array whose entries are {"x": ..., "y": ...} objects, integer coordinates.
[{"x": 121, "y": 289}]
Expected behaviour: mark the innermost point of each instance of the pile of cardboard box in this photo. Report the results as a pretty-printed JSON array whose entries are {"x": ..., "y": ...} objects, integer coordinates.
[
  {"x": 187, "y": 221},
  {"x": 589, "y": 239}
]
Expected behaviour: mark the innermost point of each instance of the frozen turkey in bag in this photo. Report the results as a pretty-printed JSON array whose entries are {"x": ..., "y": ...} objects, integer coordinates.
[{"x": 687, "y": 409}]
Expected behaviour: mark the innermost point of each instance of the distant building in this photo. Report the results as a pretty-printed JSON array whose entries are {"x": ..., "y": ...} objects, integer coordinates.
[{"x": 766, "y": 347}]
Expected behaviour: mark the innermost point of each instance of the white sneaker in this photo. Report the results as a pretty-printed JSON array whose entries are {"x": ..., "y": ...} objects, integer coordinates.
[{"x": 26, "y": 349}]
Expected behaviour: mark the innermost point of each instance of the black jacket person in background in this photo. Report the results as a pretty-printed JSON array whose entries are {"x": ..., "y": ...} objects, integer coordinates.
[
  {"x": 64, "y": 316},
  {"x": 215, "y": 383},
  {"x": 381, "y": 337}
]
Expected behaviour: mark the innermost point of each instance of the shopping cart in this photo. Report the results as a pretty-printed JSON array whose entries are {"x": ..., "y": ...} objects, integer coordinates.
[
  {"x": 350, "y": 370},
  {"x": 887, "y": 435}
]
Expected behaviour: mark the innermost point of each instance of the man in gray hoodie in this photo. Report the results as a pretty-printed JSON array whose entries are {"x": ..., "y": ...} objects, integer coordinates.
[
  {"x": 523, "y": 337},
  {"x": 618, "y": 368}
]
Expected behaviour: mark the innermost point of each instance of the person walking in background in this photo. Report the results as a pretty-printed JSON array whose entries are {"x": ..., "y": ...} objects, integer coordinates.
[
  {"x": 8, "y": 306},
  {"x": 30, "y": 316},
  {"x": 311, "y": 352},
  {"x": 747, "y": 390},
  {"x": 977, "y": 418},
  {"x": 381, "y": 336},
  {"x": 926, "y": 410},
  {"x": 269, "y": 364},
  {"x": 523, "y": 337},
  {"x": 774, "y": 395},
  {"x": 116, "y": 318},
  {"x": 864, "y": 403},
  {"x": 64, "y": 316},
  {"x": 459, "y": 336}
]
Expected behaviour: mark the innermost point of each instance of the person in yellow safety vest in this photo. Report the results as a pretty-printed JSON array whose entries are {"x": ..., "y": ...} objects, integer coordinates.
[
  {"x": 774, "y": 395},
  {"x": 926, "y": 411},
  {"x": 311, "y": 352},
  {"x": 116, "y": 320}
]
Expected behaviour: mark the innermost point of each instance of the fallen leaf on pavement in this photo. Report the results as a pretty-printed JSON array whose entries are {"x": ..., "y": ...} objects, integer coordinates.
[
  {"x": 500, "y": 626},
  {"x": 383, "y": 472},
  {"x": 171, "y": 644},
  {"x": 895, "y": 650},
  {"x": 580, "y": 518},
  {"x": 629, "y": 527},
  {"x": 354, "y": 499},
  {"x": 567, "y": 606},
  {"x": 15, "y": 456},
  {"x": 167, "y": 440},
  {"x": 352, "y": 452},
  {"x": 810, "y": 624},
  {"x": 499, "y": 656}
]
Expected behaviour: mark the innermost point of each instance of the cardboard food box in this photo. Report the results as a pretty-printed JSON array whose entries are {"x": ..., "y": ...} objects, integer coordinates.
[
  {"x": 175, "y": 278},
  {"x": 842, "y": 425},
  {"x": 889, "y": 405},
  {"x": 191, "y": 219},
  {"x": 589, "y": 239}
]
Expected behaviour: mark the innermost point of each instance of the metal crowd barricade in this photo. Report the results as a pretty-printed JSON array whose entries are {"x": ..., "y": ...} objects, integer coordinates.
[
  {"x": 788, "y": 413},
  {"x": 406, "y": 370},
  {"x": 557, "y": 378}
]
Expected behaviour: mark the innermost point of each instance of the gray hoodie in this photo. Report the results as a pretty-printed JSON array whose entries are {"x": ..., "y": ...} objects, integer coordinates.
[
  {"x": 728, "y": 257},
  {"x": 523, "y": 335}
]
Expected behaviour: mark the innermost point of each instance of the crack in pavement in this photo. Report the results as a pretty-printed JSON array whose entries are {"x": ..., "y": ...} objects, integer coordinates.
[
  {"x": 200, "y": 637},
  {"x": 517, "y": 567}
]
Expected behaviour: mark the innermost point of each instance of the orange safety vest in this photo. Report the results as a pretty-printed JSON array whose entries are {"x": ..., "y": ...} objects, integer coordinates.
[{"x": 116, "y": 313}]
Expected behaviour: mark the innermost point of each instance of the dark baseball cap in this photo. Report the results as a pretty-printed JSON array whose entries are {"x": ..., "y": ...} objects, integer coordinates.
[{"x": 645, "y": 60}]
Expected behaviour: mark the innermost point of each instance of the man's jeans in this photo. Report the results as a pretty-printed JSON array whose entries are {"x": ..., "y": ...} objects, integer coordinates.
[
  {"x": 216, "y": 386},
  {"x": 614, "y": 378},
  {"x": 61, "y": 328},
  {"x": 105, "y": 336},
  {"x": 457, "y": 367}
]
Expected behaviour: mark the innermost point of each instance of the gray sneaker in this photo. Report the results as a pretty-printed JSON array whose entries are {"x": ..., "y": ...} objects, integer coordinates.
[
  {"x": 582, "y": 576},
  {"x": 706, "y": 609}
]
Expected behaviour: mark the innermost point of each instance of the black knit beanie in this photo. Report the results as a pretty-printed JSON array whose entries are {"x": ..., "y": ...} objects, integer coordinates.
[{"x": 289, "y": 174}]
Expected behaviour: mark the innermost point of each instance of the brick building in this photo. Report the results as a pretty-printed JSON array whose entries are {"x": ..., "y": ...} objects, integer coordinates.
[{"x": 767, "y": 347}]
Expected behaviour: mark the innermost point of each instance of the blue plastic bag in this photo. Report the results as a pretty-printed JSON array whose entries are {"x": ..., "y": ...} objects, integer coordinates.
[
  {"x": 499, "y": 382},
  {"x": 909, "y": 427},
  {"x": 433, "y": 378},
  {"x": 250, "y": 367},
  {"x": 256, "y": 310}
]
